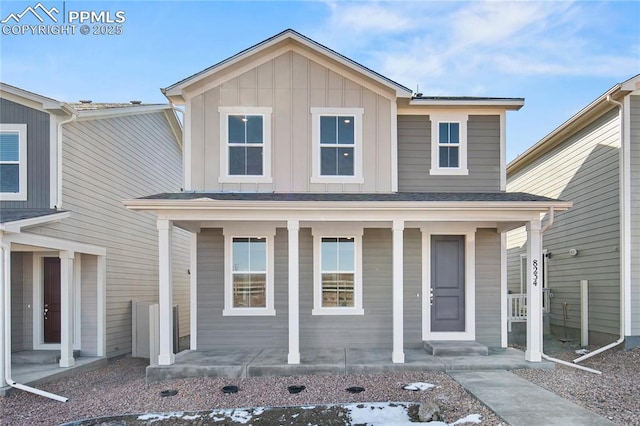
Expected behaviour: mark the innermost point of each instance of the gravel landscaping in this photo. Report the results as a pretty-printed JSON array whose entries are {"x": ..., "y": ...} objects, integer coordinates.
[{"x": 120, "y": 389}]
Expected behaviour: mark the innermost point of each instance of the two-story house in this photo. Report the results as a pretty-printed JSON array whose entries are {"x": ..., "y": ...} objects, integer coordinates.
[
  {"x": 331, "y": 207},
  {"x": 73, "y": 258},
  {"x": 592, "y": 263}
]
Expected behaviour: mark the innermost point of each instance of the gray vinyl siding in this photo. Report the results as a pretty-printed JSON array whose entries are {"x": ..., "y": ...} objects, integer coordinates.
[
  {"x": 488, "y": 294},
  {"x": 634, "y": 126},
  {"x": 17, "y": 303},
  {"x": 583, "y": 169},
  {"x": 414, "y": 156},
  {"x": 38, "y": 147},
  {"x": 225, "y": 332},
  {"x": 412, "y": 288},
  {"x": 104, "y": 162}
]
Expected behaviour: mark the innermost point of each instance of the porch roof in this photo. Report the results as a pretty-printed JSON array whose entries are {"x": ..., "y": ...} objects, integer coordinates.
[
  {"x": 481, "y": 197},
  {"x": 14, "y": 220}
]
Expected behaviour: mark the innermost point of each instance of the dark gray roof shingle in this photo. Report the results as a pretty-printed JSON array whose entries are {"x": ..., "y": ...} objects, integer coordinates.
[
  {"x": 13, "y": 215},
  {"x": 341, "y": 197}
]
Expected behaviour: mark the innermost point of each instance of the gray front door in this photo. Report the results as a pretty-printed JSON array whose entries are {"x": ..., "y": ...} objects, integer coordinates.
[{"x": 447, "y": 283}]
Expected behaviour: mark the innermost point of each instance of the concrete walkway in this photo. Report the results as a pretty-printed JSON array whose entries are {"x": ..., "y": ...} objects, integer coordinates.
[{"x": 521, "y": 403}]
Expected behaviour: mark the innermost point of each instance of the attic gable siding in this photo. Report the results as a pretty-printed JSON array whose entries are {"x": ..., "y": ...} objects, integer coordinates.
[
  {"x": 634, "y": 126},
  {"x": 583, "y": 169},
  {"x": 291, "y": 84}
]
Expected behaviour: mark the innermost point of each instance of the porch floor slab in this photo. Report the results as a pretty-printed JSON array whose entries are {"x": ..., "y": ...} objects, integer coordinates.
[
  {"x": 329, "y": 361},
  {"x": 455, "y": 348},
  {"x": 33, "y": 374}
]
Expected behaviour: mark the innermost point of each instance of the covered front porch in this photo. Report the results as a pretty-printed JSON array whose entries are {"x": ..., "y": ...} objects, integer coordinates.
[
  {"x": 399, "y": 232},
  {"x": 331, "y": 361}
]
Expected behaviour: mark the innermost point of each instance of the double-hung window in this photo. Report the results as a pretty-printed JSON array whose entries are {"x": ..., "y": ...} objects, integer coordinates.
[
  {"x": 338, "y": 273},
  {"x": 245, "y": 144},
  {"x": 337, "y": 145},
  {"x": 249, "y": 274},
  {"x": 13, "y": 162},
  {"x": 449, "y": 144}
]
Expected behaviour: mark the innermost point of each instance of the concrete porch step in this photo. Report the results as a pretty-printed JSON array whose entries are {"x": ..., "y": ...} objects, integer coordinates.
[
  {"x": 39, "y": 357},
  {"x": 455, "y": 348}
]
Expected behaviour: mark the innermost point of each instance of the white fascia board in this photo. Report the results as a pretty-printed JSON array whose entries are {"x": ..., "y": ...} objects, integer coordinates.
[
  {"x": 57, "y": 244},
  {"x": 176, "y": 91},
  {"x": 17, "y": 225},
  {"x": 510, "y": 104},
  {"x": 30, "y": 99}
]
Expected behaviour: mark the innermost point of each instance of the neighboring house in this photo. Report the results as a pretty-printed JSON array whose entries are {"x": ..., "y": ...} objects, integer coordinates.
[
  {"x": 593, "y": 160},
  {"x": 73, "y": 257},
  {"x": 330, "y": 207}
]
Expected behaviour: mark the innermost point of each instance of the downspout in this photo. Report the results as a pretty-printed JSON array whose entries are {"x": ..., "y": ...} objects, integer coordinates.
[
  {"x": 59, "y": 152},
  {"x": 5, "y": 251},
  {"x": 622, "y": 237},
  {"x": 548, "y": 225}
]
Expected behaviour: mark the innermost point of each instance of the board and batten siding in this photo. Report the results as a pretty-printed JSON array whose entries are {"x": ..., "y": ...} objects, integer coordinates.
[
  {"x": 106, "y": 161},
  {"x": 583, "y": 169},
  {"x": 38, "y": 153},
  {"x": 634, "y": 127},
  {"x": 291, "y": 84},
  {"x": 414, "y": 156}
]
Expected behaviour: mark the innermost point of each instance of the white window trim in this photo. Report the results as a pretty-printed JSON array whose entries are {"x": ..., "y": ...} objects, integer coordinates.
[
  {"x": 337, "y": 231},
  {"x": 224, "y": 113},
  {"x": 248, "y": 231},
  {"x": 357, "y": 113},
  {"x": 21, "y": 195},
  {"x": 436, "y": 119}
]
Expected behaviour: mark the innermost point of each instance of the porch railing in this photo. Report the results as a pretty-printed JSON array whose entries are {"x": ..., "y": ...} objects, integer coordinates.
[{"x": 516, "y": 309}]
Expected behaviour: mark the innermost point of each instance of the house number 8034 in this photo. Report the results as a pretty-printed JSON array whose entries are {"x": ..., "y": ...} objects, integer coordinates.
[{"x": 535, "y": 272}]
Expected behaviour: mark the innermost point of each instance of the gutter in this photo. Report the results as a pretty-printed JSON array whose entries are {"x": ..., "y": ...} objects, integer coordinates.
[
  {"x": 74, "y": 115},
  {"x": 624, "y": 237},
  {"x": 5, "y": 260},
  {"x": 548, "y": 225}
]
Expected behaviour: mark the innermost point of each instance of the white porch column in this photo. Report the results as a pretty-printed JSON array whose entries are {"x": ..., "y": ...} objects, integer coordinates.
[
  {"x": 5, "y": 305},
  {"x": 397, "y": 355},
  {"x": 534, "y": 292},
  {"x": 293, "y": 228},
  {"x": 193, "y": 291},
  {"x": 66, "y": 308},
  {"x": 165, "y": 295}
]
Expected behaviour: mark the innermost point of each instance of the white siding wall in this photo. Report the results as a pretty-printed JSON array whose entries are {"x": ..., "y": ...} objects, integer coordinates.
[
  {"x": 291, "y": 85},
  {"x": 584, "y": 170},
  {"x": 104, "y": 162}
]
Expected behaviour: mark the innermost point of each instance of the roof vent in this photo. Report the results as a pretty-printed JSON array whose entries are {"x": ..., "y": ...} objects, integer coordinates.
[
  {"x": 136, "y": 102},
  {"x": 85, "y": 101}
]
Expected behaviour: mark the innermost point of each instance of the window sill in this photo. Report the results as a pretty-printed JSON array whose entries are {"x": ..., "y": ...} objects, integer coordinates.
[
  {"x": 449, "y": 172},
  {"x": 245, "y": 179},
  {"x": 249, "y": 312},
  {"x": 337, "y": 311},
  {"x": 13, "y": 196}
]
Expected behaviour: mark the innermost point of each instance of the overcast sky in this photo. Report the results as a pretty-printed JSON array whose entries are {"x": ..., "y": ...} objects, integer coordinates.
[{"x": 559, "y": 56}]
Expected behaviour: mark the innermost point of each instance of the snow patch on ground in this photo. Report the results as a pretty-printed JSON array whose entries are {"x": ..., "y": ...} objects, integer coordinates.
[
  {"x": 153, "y": 417},
  {"x": 418, "y": 386}
]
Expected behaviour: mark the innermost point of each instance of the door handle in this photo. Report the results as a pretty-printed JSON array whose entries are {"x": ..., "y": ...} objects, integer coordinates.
[
  {"x": 45, "y": 312},
  {"x": 431, "y": 297}
]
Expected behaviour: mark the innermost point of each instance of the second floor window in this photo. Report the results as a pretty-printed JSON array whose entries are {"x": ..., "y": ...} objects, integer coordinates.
[
  {"x": 337, "y": 138},
  {"x": 13, "y": 162},
  {"x": 337, "y": 145},
  {"x": 245, "y": 145},
  {"x": 449, "y": 144}
]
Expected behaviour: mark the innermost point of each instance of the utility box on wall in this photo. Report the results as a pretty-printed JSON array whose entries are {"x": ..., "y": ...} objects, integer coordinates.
[{"x": 145, "y": 332}]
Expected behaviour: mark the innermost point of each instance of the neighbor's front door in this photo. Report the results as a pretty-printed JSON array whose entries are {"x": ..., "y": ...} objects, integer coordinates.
[
  {"x": 447, "y": 283},
  {"x": 51, "y": 305}
]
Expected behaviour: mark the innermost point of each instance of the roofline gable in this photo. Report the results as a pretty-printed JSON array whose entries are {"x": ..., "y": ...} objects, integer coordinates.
[
  {"x": 596, "y": 108},
  {"x": 34, "y": 100},
  {"x": 175, "y": 91}
]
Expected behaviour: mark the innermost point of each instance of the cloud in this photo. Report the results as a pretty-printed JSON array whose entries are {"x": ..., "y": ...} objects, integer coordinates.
[{"x": 460, "y": 47}]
